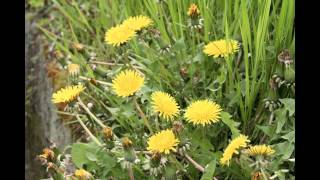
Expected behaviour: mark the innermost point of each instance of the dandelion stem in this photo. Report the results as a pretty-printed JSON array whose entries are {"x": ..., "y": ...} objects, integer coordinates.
[
  {"x": 194, "y": 163},
  {"x": 270, "y": 122},
  {"x": 88, "y": 131},
  {"x": 69, "y": 114},
  {"x": 90, "y": 113},
  {"x": 157, "y": 123},
  {"x": 142, "y": 115},
  {"x": 130, "y": 172},
  {"x": 101, "y": 82}
]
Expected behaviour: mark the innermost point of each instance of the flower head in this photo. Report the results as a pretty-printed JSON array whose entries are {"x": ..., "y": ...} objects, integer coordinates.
[
  {"x": 82, "y": 174},
  {"x": 260, "y": 150},
  {"x": 127, "y": 83},
  {"x": 193, "y": 10},
  {"x": 163, "y": 142},
  {"x": 107, "y": 132},
  {"x": 118, "y": 35},
  {"x": 126, "y": 143},
  {"x": 203, "y": 112},
  {"x": 221, "y": 48},
  {"x": 165, "y": 104},
  {"x": 73, "y": 69},
  {"x": 233, "y": 147},
  {"x": 47, "y": 154},
  {"x": 67, "y": 94},
  {"x": 136, "y": 23}
]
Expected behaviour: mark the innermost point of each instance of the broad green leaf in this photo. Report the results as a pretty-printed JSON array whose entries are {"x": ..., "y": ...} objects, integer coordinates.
[
  {"x": 281, "y": 118},
  {"x": 290, "y": 137},
  {"x": 36, "y": 3},
  {"x": 79, "y": 153},
  {"x": 289, "y": 104},
  {"x": 198, "y": 58},
  {"x": 91, "y": 156},
  {"x": 180, "y": 44},
  {"x": 268, "y": 130},
  {"x": 285, "y": 149},
  {"x": 209, "y": 171}
]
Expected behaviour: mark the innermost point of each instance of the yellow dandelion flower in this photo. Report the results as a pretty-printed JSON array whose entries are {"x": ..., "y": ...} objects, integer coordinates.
[
  {"x": 165, "y": 104},
  {"x": 221, "y": 48},
  {"x": 203, "y": 112},
  {"x": 136, "y": 23},
  {"x": 234, "y": 145},
  {"x": 67, "y": 94},
  {"x": 260, "y": 150},
  {"x": 193, "y": 10},
  {"x": 82, "y": 174},
  {"x": 127, "y": 83},
  {"x": 118, "y": 35},
  {"x": 73, "y": 69},
  {"x": 163, "y": 142}
]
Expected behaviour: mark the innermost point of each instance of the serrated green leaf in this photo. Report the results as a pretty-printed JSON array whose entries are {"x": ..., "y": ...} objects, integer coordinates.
[{"x": 226, "y": 119}]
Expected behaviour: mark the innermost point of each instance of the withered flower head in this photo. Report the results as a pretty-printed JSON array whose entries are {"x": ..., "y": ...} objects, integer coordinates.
[
  {"x": 47, "y": 154},
  {"x": 107, "y": 132},
  {"x": 126, "y": 143},
  {"x": 78, "y": 46},
  {"x": 177, "y": 126}
]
